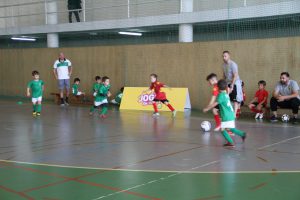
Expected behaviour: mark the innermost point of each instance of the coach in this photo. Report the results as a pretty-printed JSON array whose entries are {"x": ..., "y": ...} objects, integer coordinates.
[
  {"x": 62, "y": 70},
  {"x": 286, "y": 95}
]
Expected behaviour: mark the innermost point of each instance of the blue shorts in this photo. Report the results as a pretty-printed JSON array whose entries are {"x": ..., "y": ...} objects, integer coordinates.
[{"x": 64, "y": 83}]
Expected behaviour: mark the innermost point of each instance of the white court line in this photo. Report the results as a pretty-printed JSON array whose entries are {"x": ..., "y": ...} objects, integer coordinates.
[
  {"x": 282, "y": 141},
  {"x": 157, "y": 180}
]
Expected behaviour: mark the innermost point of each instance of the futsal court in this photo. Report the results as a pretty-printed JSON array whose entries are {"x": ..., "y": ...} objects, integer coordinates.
[{"x": 135, "y": 156}]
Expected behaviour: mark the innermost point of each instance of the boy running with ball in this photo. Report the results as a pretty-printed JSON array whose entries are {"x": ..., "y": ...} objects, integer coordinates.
[
  {"x": 159, "y": 95},
  {"x": 36, "y": 86},
  {"x": 227, "y": 114}
]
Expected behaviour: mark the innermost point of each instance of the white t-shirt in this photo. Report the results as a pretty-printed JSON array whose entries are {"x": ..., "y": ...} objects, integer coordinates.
[{"x": 62, "y": 69}]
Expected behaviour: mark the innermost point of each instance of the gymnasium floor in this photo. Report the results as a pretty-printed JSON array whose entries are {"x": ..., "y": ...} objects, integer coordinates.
[{"x": 67, "y": 155}]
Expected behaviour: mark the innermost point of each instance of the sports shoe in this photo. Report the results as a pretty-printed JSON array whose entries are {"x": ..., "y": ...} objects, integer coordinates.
[
  {"x": 174, "y": 113},
  {"x": 34, "y": 113},
  {"x": 257, "y": 115},
  {"x": 218, "y": 128},
  {"x": 261, "y": 115},
  {"x": 228, "y": 144},
  {"x": 294, "y": 120},
  {"x": 156, "y": 114},
  {"x": 244, "y": 137},
  {"x": 274, "y": 118},
  {"x": 103, "y": 116},
  {"x": 38, "y": 114}
]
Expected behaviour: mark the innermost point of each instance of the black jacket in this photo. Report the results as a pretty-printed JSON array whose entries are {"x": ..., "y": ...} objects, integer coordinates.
[{"x": 74, "y": 4}]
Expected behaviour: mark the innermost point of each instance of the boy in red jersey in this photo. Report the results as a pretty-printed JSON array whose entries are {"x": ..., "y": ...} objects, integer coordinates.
[
  {"x": 213, "y": 81},
  {"x": 159, "y": 95},
  {"x": 260, "y": 100}
]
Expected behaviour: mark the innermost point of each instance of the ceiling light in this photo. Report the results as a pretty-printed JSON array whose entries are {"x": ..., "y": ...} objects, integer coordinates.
[{"x": 130, "y": 33}]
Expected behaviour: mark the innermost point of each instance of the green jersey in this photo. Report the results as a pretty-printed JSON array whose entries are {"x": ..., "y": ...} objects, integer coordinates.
[
  {"x": 36, "y": 87},
  {"x": 75, "y": 89},
  {"x": 96, "y": 87},
  {"x": 102, "y": 93},
  {"x": 118, "y": 98},
  {"x": 226, "y": 110}
]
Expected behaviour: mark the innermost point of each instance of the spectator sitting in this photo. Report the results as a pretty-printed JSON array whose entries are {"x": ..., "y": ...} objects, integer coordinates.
[
  {"x": 118, "y": 97},
  {"x": 260, "y": 100}
]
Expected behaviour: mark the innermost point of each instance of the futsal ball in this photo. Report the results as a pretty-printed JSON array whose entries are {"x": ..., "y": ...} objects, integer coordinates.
[
  {"x": 206, "y": 126},
  {"x": 285, "y": 118}
]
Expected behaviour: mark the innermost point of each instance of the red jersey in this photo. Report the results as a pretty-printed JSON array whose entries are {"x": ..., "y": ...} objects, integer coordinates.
[
  {"x": 156, "y": 86},
  {"x": 215, "y": 90},
  {"x": 260, "y": 95}
]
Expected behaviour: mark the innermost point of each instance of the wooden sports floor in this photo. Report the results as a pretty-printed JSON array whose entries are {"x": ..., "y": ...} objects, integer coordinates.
[{"x": 65, "y": 154}]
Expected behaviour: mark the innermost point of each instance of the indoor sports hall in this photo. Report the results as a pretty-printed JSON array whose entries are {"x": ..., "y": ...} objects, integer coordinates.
[{"x": 149, "y": 99}]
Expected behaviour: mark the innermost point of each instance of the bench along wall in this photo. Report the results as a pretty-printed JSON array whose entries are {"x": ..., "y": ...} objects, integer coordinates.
[{"x": 178, "y": 65}]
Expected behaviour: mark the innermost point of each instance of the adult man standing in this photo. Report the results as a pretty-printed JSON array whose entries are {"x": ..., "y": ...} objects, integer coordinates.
[
  {"x": 62, "y": 70},
  {"x": 286, "y": 95},
  {"x": 231, "y": 75},
  {"x": 74, "y": 6}
]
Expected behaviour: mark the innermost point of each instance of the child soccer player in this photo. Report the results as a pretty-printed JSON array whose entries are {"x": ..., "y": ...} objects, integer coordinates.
[
  {"x": 159, "y": 95},
  {"x": 213, "y": 81},
  {"x": 102, "y": 94},
  {"x": 36, "y": 86},
  {"x": 118, "y": 97},
  {"x": 76, "y": 88},
  {"x": 227, "y": 114},
  {"x": 260, "y": 100},
  {"x": 96, "y": 87}
]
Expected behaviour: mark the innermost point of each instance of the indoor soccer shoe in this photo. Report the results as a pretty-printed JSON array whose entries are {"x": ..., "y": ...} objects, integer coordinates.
[
  {"x": 217, "y": 129},
  {"x": 34, "y": 113},
  {"x": 38, "y": 114},
  {"x": 244, "y": 137},
  {"x": 103, "y": 116},
  {"x": 174, "y": 113},
  {"x": 274, "y": 119},
  {"x": 156, "y": 114},
  {"x": 228, "y": 145},
  {"x": 257, "y": 115}
]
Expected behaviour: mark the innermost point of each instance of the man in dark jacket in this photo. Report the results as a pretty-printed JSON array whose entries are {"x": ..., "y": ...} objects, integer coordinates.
[{"x": 74, "y": 6}]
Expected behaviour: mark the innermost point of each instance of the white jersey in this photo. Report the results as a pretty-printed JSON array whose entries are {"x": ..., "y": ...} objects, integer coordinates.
[{"x": 62, "y": 69}]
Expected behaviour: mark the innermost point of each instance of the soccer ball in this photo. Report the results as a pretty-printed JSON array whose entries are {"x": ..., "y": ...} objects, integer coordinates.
[
  {"x": 206, "y": 126},
  {"x": 285, "y": 118}
]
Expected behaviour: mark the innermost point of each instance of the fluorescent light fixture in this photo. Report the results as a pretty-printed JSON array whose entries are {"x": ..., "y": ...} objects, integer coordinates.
[
  {"x": 24, "y": 39},
  {"x": 130, "y": 33}
]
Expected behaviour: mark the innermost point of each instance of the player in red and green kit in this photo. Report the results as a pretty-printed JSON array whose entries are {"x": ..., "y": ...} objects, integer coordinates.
[
  {"x": 227, "y": 114},
  {"x": 213, "y": 81},
  {"x": 36, "y": 86},
  {"x": 102, "y": 95},
  {"x": 96, "y": 87},
  {"x": 159, "y": 95}
]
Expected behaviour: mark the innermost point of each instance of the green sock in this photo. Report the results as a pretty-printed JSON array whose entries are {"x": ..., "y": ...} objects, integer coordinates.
[
  {"x": 238, "y": 132},
  {"x": 104, "y": 110},
  {"x": 227, "y": 137},
  {"x": 34, "y": 107},
  {"x": 39, "y": 108}
]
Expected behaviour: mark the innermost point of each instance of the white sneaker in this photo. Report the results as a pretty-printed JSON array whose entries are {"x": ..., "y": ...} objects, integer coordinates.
[
  {"x": 156, "y": 114},
  {"x": 257, "y": 115},
  {"x": 174, "y": 113},
  {"x": 218, "y": 128},
  {"x": 261, "y": 115}
]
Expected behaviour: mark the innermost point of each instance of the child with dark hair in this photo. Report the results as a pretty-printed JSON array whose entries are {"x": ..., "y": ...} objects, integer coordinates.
[
  {"x": 102, "y": 95},
  {"x": 36, "y": 86},
  {"x": 260, "y": 100},
  {"x": 213, "y": 81},
  {"x": 76, "y": 88},
  {"x": 159, "y": 95},
  {"x": 96, "y": 86},
  {"x": 227, "y": 114}
]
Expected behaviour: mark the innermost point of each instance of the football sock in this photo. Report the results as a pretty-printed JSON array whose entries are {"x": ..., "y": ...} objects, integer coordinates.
[
  {"x": 237, "y": 132},
  {"x": 227, "y": 137},
  {"x": 217, "y": 120},
  {"x": 170, "y": 107},
  {"x": 155, "y": 107}
]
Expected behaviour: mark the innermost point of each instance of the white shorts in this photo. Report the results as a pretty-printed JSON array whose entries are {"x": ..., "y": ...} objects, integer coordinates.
[
  {"x": 229, "y": 124},
  {"x": 79, "y": 93},
  {"x": 99, "y": 103},
  {"x": 34, "y": 100}
]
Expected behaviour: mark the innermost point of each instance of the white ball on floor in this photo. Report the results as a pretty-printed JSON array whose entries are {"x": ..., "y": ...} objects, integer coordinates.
[
  {"x": 206, "y": 126},
  {"x": 285, "y": 118}
]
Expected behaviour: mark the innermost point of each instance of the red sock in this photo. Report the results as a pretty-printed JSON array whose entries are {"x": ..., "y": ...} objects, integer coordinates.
[
  {"x": 155, "y": 107},
  {"x": 255, "y": 110},
  {"x": 170, "y": 107},
  {"x": 217, "y": 120}
]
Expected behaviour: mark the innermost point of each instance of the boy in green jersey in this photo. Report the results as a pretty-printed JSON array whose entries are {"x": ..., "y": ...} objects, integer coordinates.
[
  {"x": 95, "y": 88},
  {"x": 36, "y": 87},
  {"x": 102, "y": 95},
  {"x": 227, "y": 114},
  {"x": 76, "y": 88}
]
